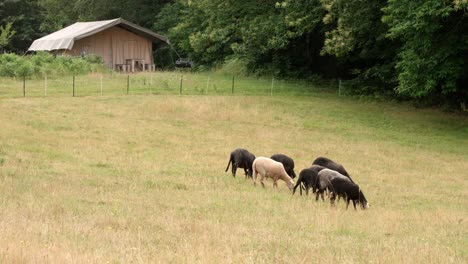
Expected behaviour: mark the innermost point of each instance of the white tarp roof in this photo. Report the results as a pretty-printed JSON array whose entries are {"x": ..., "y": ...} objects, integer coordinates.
[{"x": 65, "y": 38}]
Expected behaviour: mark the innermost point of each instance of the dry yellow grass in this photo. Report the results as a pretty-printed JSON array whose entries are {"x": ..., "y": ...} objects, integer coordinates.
[{"x": 141, "y": 179}]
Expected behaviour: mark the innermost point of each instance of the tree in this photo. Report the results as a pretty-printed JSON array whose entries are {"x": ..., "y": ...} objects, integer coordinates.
[
  {"x": 357, "y": 37},
  {"x": 25, "y": 18},
  {"x": 61, "y": 13},
  {"x": 6, "y": 33},
  {"x": 271, "y": 37},
  {"x": 431, "y": 64}
]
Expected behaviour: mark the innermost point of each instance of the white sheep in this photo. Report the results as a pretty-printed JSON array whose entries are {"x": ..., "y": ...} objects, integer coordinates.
[{"x": 271, "y": 169}]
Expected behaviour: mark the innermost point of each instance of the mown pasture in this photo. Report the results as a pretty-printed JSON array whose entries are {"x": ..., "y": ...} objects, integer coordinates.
[{"x": 140, "y": 178}]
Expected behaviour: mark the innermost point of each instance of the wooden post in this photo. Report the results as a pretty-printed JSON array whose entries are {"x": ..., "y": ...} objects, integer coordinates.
[
  {"x": 128, "y": 83},
  {"x": 45, "y": 85},
  {"x": 73, "y": 85},
  {"x": 272, "y": 84},
  {"x": 180, "y": 87},
  {"x": 151, "y": 83},
  {"x": 232, "y": 87},
  {"x": 24, "y": 85},
  {"x": 339, "y": 87}
]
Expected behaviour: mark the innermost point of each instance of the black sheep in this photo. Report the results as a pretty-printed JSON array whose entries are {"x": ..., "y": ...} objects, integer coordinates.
[
  {"x": 309, "y": 179},
  {"x": 349, "y": 191},
  {"x": 288, "y": 164},
  {"x": 241, "y": 158},
  {"x": 330, "y": 164}
]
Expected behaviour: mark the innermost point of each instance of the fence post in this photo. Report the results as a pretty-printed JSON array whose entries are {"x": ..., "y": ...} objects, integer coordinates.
[
  {"x": 128, "y": 83},
  {"x": 339, "y": 87},
  {"x": 24, "y": 85},
  {"x": 73, "y": 85},
  {"x": 45, "y": 85},
  {"x": 272, "y": 84},
  {"x": 207, "y": 85},
  {"x": 151, "y": 83},
  {"x": 232, "y": 87},
  {"x": 180, "y": 86}
]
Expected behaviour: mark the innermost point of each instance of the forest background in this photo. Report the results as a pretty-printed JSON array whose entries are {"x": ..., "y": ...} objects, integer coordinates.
[{"x": 399, "y": 49}]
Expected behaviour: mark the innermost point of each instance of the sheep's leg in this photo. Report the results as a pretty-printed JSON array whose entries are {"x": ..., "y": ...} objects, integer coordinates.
[
  {"x": 275, "y": 184},
  {"x": 295, "y": 187},
  {"x": 354, "y": 204},
  {"x": 234, "y": 169},
  {"x": 347, "y": 204},
  {"x": 307, "y": 190}
]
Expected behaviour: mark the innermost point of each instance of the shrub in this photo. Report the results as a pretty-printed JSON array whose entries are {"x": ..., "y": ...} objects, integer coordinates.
[{"x": 43, "y": 63}]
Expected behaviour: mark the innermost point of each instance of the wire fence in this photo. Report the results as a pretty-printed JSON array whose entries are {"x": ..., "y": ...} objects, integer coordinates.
[{"x": 154, "y": 83}]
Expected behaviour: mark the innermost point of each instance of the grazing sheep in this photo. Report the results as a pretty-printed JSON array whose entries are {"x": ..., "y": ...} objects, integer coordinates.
[
  {"x": 324, "y": 178},
  {"x": 309, "y": 178},
  {"x": 349, "y": 191},
  {"x": 241, "y": 158},
  {"x": 268, "y": 168},
  {"x": 288, "y": 164},
  {"x": 330, "y": 164}
]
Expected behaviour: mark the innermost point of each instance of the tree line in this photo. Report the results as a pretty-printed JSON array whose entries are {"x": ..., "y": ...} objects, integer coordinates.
[{"x": 406, "y": 49}]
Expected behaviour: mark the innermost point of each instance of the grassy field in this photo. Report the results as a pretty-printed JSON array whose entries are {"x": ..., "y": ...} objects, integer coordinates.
[
  {"x": 125, "y": 179},
  {"x": 156, "y": 83}
]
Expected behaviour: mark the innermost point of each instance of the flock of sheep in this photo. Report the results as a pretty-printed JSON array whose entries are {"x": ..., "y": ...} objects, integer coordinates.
[{"x": 324, "y": 175}]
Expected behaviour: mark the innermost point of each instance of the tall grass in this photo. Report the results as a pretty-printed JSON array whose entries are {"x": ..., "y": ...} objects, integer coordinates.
[{"x": 124, "y": 179}]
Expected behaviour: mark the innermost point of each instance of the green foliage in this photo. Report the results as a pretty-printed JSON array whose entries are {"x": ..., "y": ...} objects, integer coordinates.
[
  {"x": 267, "y": 36},
  {"x": 60, "y": 13},
  {"x": 25, "y": 16},
  {"x": 234, "y": 66},
  {"x": 43, "y": 63},
  {"x": 356, "y": 36},
  {"x": 6, "y": 33},
  {"x": 431, "y": 64}
]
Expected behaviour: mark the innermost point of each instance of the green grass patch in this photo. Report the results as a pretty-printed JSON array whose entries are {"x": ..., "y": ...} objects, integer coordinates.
[{"x": 142, "y": 178}]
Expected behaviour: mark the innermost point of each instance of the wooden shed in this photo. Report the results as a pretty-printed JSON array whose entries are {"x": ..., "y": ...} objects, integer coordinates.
[{"x": 121, "y": 44}]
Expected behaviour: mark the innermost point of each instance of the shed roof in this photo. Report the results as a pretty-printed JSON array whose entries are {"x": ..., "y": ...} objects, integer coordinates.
[{"x": 65, "y": 38}]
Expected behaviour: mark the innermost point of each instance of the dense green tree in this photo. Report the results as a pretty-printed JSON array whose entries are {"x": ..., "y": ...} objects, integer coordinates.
[
  {"x": 60, "y": 13},
  {"x": 357, "y": 37},
  {"x": 279, "y": 37},
  {"x": 6, "y": 33},
  {"x": 25, "y": 18},
  {"x": 285, "y": 37},
  {"x": 431, "y": 64}
]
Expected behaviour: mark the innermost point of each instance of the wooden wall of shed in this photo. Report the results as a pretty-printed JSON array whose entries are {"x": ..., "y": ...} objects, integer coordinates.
[{"x": 115, "y": 45}]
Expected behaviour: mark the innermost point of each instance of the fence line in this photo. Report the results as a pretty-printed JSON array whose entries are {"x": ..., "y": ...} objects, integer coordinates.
[{"x": 160, "y": 83}]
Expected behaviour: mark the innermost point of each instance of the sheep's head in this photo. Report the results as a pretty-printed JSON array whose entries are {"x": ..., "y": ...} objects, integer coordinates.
[
  {"x": 290, "y": 184},
  {"x": 363, "y": 201}
]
